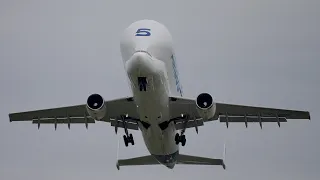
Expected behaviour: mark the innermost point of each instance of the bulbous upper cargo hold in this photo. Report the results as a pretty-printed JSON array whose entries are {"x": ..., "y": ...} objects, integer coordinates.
[{"x": 149, "y": 36}]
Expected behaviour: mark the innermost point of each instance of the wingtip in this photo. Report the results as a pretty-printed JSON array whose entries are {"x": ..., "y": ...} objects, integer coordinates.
[
  {"x": 118, "y": 166},
  {"x": 309, "y": 117},
  {"x": 224, "y": 166},
  {"x": 224, "y": 156},
  {"x": 10, "y": 117}
]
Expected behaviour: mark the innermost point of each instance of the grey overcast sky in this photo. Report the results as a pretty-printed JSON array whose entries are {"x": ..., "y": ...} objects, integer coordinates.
[{"x": 261, "y": 53}]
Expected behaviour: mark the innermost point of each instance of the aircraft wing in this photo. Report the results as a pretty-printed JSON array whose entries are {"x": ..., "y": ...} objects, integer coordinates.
[
  {"x": 78, "y": 114},
  {"x": 229, "y": 113}
]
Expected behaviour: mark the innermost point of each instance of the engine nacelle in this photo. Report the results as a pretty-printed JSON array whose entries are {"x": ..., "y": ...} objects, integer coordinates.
[
  {"x": 96, "y": 106},
  {"x": 205, "y": 106}
]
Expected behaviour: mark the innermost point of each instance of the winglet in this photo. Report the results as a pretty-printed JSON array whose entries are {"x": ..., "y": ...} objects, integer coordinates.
[
  {"x": 10, "y": 119},
  {"x": 224, "y": 156},
  {"x": 118, "y": 167},
  {"x": 118, "y": 147}
]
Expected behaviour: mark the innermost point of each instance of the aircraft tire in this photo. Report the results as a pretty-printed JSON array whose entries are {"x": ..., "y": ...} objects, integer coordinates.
[
  {"x": 177, "y": 138},
  {"x": 131, "y": 139},
  {"x": 125, "y": 139},
  {"x": 183, "y": 140}
]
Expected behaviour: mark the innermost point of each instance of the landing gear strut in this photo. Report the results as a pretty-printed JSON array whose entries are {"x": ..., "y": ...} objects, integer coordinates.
[
  {"x": 142, "y": 82},
  {"x": 127, "y": 138},
  {"x": 180, "y": 138}
]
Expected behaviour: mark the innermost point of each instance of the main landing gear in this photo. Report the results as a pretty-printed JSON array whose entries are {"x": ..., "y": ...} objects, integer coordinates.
[
  {"x": 128, "y": 139},
  {"x": 180, "y": 138}
]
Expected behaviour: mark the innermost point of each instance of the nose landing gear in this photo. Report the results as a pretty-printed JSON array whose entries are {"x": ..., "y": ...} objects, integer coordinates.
[{"x": 142, "y": 82}]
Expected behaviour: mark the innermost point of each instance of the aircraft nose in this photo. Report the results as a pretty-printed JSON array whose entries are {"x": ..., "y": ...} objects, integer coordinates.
[
  {"x": 141, "y": 57},
  {"x": 141, "y": 63}
]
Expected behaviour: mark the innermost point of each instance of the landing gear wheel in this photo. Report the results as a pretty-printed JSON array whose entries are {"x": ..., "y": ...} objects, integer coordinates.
[
  {"x": 180, "y": 138},
  {"x": 125, "y": 139},
  {"x": 176, "y": 138},
  {"x": 183, "y": 140},
  {"x": 131, "y": 139},
  {"x": 128, "y": 139}
]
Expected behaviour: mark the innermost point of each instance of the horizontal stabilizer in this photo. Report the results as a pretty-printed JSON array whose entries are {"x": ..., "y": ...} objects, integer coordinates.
[
  {"x": 195, "y": 160},
  {"x": 143, "y": 160}
]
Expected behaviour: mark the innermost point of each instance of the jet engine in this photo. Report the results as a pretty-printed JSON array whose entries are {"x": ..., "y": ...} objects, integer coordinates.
[
  {"x": 205, "y": 106},
  {"x": 96, "y": 106}
]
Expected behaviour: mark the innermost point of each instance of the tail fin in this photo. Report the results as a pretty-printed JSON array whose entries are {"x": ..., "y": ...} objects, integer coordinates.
[{"x": 196, "y": 160}]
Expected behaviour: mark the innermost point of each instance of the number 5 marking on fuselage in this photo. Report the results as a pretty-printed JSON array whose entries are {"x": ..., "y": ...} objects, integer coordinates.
[{"x": 143, "y": 32}]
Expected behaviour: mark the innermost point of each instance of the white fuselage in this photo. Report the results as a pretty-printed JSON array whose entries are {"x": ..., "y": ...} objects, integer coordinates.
[{"x": 146, "y": 49}]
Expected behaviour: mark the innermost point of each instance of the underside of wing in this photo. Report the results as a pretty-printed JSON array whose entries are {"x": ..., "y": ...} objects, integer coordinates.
[
  {"x": 62, "y": 115},
  {"x": 230, "y": 113},
  {"x": 114, "y": 111},
  {"x": 240, "y": 110},
  {"x": 184, "y": 113},
  {"x": 189, "y": 113}
]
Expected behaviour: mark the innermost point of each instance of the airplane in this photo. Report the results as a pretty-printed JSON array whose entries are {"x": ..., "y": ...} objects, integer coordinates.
[{"x": 157, "y": 106}]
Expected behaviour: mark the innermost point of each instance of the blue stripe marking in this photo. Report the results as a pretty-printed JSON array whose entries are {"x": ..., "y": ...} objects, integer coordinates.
[{"x": 176, "y": 75}]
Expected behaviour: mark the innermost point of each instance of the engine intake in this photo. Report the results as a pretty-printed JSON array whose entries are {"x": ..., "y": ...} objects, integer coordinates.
[
  {"x": 205, "y": 106},
  {"x": 96, "y": 106}
]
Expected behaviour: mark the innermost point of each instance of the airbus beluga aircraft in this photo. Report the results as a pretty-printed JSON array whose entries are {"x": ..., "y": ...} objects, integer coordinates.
[{"x": 157, "y": 107}]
